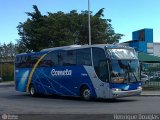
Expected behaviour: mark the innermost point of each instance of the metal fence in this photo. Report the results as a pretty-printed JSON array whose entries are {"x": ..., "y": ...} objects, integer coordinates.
[
  {"x": 150, "y": 75},
  {"x": 152, "y": 84}
]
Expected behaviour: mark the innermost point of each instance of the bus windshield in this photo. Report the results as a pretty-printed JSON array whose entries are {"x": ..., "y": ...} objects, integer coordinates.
[
  {"x": 122, "y": 53},
  {"x": 124, "y": 65},
  {"x": 124, "y": 71}
]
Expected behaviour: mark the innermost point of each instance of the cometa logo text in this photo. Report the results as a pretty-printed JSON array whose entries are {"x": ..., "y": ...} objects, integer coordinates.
[{"x": 61, "y": 73}]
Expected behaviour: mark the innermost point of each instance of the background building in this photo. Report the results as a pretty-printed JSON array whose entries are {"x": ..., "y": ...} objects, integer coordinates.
[{"x": 142, "y": 41}]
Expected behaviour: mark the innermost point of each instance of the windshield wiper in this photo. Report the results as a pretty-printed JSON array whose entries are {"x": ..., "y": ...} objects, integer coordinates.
[{"x": 130, "y": 71}]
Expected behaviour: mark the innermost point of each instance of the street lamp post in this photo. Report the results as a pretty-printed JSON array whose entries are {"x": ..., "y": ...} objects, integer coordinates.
[
  {"x": 89, "y": 23},
  {"x": 1, "y": 70}
]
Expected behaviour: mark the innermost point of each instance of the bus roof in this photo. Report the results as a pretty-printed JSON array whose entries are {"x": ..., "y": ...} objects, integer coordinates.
[
  {"x": 71, "y": 47},
  {"x": 35, "y": 53},
  {"x": 110, "y": 46}
]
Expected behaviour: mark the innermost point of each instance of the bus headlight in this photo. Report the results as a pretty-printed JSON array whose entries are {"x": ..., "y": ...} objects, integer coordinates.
[
  {"x": 116, "y": 89},
  {"x": 140, "y": 88}
]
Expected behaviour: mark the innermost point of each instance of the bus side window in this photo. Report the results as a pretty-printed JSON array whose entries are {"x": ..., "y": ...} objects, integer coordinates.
[
  {"x": 70, "y": 58},
  {"x": 51, "y": 59},
  {"x": 61, "y": 56},
  {"x": 24, "y": 61},
  {"x": 100, "y": 64},
  {"x": 54, "y": 58},
  {"x": 28, "y": 62},
  {"x": 84, "y": 57},
  {"x": 67, "y": 58},
  {"x": 17, "y": 63}
]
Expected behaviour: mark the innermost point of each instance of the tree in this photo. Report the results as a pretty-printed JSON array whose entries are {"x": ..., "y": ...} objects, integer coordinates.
[
  {"x": 59, "y": 29},
  {"x": 7, "y": 52},
  {"x": 7, "y": 55}
]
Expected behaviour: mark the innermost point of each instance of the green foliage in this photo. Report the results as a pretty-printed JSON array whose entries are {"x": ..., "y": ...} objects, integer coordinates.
[
  {"x": 7, "y": 71},
  {"x": 59, "y": 29},
  {"x": 7, "y": 55},
  {"x": 7, "y": 52}
]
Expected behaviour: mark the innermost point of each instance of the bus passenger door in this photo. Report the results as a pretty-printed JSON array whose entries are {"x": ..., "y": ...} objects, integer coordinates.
[
  {"x": 102, "y": 73},
  {"x": 101, "y": 69},
  {"x": 101, "y": 88}
]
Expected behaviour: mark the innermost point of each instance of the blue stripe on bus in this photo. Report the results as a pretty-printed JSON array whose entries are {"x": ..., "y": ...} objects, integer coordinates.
[{"x": 46, "y": 83}]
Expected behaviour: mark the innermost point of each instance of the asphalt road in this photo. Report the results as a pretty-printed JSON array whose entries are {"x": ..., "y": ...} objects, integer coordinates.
[{"x": 13, "y": 102}]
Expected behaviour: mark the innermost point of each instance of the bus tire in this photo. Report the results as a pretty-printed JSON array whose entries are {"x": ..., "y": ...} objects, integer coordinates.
[
  {"x": 85, "y": 93},
  {"x": 32, "y": 91}
]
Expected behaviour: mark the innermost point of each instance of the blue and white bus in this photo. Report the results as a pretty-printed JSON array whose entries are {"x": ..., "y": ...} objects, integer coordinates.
[{"x": 89, "y": 71}]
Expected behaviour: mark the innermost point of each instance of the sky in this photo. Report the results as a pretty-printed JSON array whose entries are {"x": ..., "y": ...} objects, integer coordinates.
[{"x": 126, "y": 15}]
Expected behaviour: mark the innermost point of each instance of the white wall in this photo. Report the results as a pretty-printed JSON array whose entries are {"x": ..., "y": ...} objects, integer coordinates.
[{"x": 156, "y": 47}]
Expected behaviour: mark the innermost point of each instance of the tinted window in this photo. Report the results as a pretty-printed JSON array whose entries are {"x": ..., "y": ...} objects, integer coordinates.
[
  {"x": 22, "y": 61},
  {"x": 34, "y": 59},
  {"x": 67, "y": 58},
  {"x": 100, "y": 64},
  {"x": 17, "y": 62},
  {"x": 26, "y": 61},
  {"x": 61, "y": 58},
  {"x": 54, "y": 58},
  {"x": 84, "y": 57},
  {"x": 51, "y": 59}
]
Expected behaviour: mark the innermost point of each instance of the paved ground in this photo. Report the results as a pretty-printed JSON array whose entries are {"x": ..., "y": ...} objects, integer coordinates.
[
  {"x": 21, "y": 103},
  {"x": 68, "y": 108},
  {"x": 150, "y": 93}
]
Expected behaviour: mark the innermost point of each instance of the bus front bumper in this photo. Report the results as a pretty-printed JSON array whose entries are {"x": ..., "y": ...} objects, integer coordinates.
[{"x": 116, "y": 93}]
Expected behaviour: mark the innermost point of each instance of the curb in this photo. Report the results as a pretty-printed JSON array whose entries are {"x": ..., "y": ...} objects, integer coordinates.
[
  {"x": 150, "y": 95},
  {"x": 7, "y": 84}
]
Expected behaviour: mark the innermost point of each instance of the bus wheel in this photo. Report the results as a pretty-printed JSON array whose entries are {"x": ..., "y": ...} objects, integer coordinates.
[
  {"x": 32, "y": 90},
  {"x": 86, "y": 93}
]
